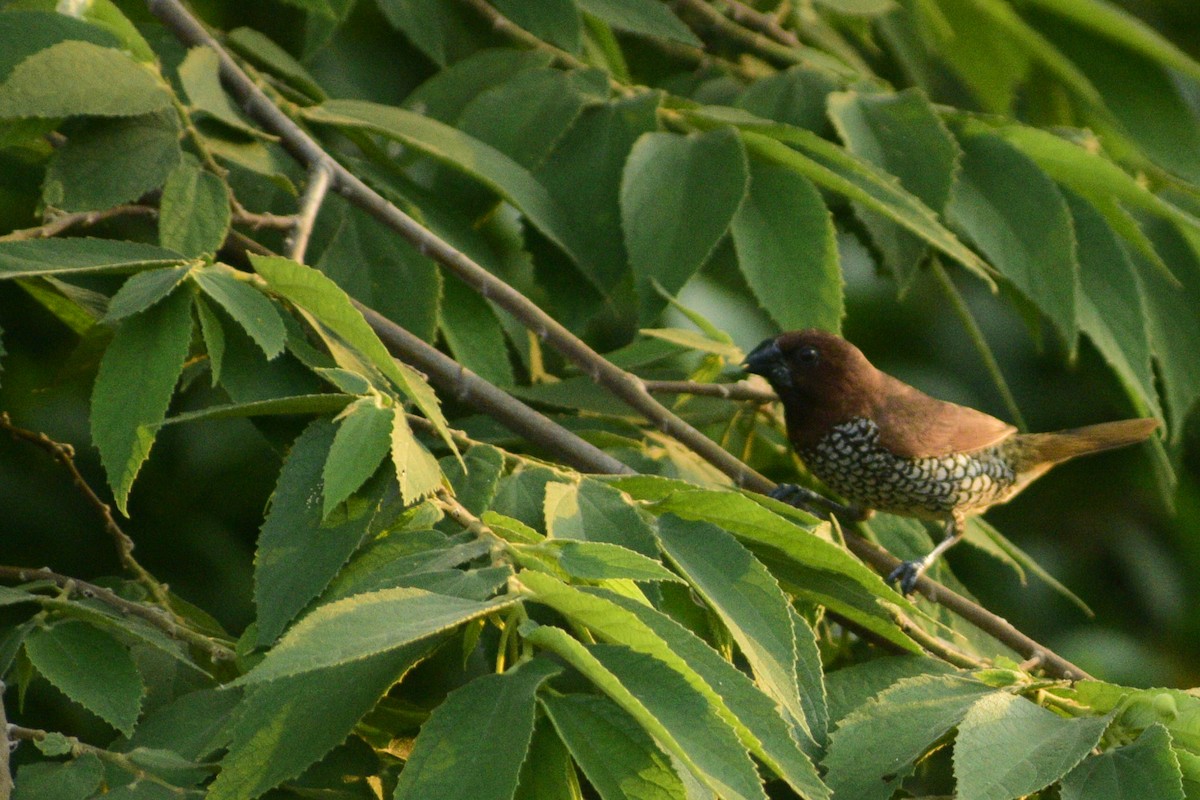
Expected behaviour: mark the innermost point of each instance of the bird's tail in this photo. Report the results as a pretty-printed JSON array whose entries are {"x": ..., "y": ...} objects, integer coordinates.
[{"x": 1051, "y": 448}]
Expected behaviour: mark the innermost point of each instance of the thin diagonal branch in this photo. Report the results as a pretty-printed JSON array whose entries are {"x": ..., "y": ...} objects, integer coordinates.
[
  {"x": 319, "y": 176},
  {"x": 64, "y": 222},
  {"x": 629, "y": 388}
]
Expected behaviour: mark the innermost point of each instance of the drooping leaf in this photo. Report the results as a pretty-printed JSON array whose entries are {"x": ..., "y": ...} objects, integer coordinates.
[
  {"x": 1008, "y": 747},
  {"x": 363, "y": 438},
  {"x": 56, "y": 256},
  {"x": 548, "y": 772},
  {"x": 193, "y": 213},
  {"x": 475, "y": 478},
  {"x": 297, "y": 553},
  {"x": 248, "y": 306},
  {"x": 474, "y": 335},
  {"x": 786, "y": 248},
  {"x": 105, "y": 82},
  {"x": 1146, "y": 768},
  {"x": 365, "y": 625},
  {"x": 90, "y": 667},
  {"x": 474, "y": 742},
  {"x": 143, "y": 290},
  {"x": 416, "y": 468},
  {"x": 133, "y": 388},
  {"x": 617, "y": 755},
  {"x": 679, "y": 195},
  {"x": 200, "y": 75}
]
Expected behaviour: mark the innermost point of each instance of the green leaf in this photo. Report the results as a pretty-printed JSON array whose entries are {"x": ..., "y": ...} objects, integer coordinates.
[
  {"x": 249, "y": 307},
  {"x": 474, "y": 742},
  {"x": 831, "y": 167},
  {"x": 678, "y": 197},
  {"x": 1146, "y": 768},
  {"x": 548, "y": 773},
  {"x": 193, "y": 725},
  {"x": 143, "y": 290},
  {"x": 104, "y": 82},
  {"x": 365, "y": 625},
  {"x": 1112, "y": 309},
  {"x": 382, "y": 271},
  {"x": 591, "y": 511},
  {"x": 306, "y": 404},
  {"x": 112, "y": 161},
  {"x": 474, "y": 335},
  {"x": 455, "y": 149},
  {"x": 23, "y": 33},
  {"x": 1018, "y": 217},
  {"x": 787, "y": 249},
  {"x": 298, "y": 554},
  {"x": 133, "y": 388},
  {"x": 363, "y": 438},
  {"x": 666, "y": 706},
  {"x": 874, "y": 747},
  {"x": 39, "y": 257},
  {"x": 424, "y": 22},
  {"x": 796, "y": 96},
  {"x": 583, "y": 175},
  {"x": 1009, "y": 747},
  {"x": 321, "y": 297},
  {"x": 617, "y": 755},
  {"x": 852, "y": 686},
  {"x": 193, "y": 214},
  {"x": 200, "y": 75},
  {"x": 746, "y": 598},
  {"x": 475, "y": 477},
  {"x": 449, "y": 91},
  {"x": 599, "y": 561},
  {"x": 553, "y": 21},
  {"x": 287, "y": 724},
  {"x": 416, "y": 468},
  {"x": 643, "y": 17},
  {"x": 90, "y": 667},
  {"x": 76, "y": 779},
  {"x": 903, "y": 135}
]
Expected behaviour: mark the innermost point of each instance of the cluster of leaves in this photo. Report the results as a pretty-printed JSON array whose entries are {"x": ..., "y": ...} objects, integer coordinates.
[{"x": 490, "y": 625}]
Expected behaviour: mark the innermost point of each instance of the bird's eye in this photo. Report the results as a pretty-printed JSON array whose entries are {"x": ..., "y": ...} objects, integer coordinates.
[{"x": 808, "y": 355}]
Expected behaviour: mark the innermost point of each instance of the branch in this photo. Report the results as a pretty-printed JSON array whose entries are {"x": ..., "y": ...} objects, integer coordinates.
[
  {"x": 62, "y": 222},
  {"x": 629, "y": 388},
  {"x": 743, "y": 390},
  {"x": 215, "y": 650},
  {"x": 65, "y": 455},
  {"x": 319, "y": 175}
]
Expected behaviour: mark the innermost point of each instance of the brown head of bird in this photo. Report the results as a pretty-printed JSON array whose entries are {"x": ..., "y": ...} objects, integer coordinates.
[{"x": 887, "y": 446}]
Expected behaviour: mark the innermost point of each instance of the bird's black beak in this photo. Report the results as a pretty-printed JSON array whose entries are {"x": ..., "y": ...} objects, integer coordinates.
[{"x": 767, "y": 360}]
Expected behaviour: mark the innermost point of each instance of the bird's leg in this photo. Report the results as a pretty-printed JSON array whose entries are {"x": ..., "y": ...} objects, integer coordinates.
[
  {"x": 811, "y": 501},
  {"x": 908, "y": 571}
]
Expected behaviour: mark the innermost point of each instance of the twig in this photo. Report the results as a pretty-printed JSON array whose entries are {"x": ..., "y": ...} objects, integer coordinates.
[
  {"x": 726, "y": 391},
  {"x": 119, "y": 760},
  {"x": 627, "y": 387},
  {"x": 62, "y": 222},
  {"x": 787, "y": 53},
  {"x": 935, "y": 645},
  {"x": 523, "y": 37},
  {"x": 319, "y": 176},
  {"x": 150, "y": 614},
  {"x": 258, "y": 219},
  {"x": 977, "y": 338},
  {"x": 65, "y": 455},
  {"x": 765, "y": 23}
]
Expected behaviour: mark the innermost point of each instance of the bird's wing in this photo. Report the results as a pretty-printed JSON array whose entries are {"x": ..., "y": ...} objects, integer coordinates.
[{"x": 914, "y": 425}]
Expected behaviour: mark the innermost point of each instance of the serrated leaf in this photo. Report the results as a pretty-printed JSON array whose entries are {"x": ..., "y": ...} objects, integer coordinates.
[
  {"x": 90, "y": 667},
  {"x": 643, "y": 17},
  {"x": 746, "y": 598},
  {"x": 200, "y": 75},
  {"x": 617, "y": 755},
  {"x": 787, "y": 249},
  {"x": 76, "y": 779},
  {"x": 134, "y": 386},
  {"x": 455, "y": 149},
  {"x": 24, "y": 33},
  {"x": 112, "y": 161},
  {"x": 598, "y": 561},
  {"x": 321, "y": 297},
  {"x": 874, "y": 747},
  {"x": 853, "y": 685},
  {"x": 1146, "y": 768},
  {"x": 592, "y": 511},
  {"x": 193, "y": 213},
  {"x": 143, "y": 290},
  {"x": 297, "y": 553},
  {"x": 548, "y": 772},
  {"x": 475, "y": 477},
  {"x": 365, "y": 625},
  {"x": 668, "y": 708},
  {"x": 363, "y": 438},
  {"x": 1009, "y": 747},
  {"x": 679, "y": 195},
  {"x": 40, "y": 257},
  {"x": 1018, "y": 217},
  {"x": 902, "y": 134},
  {"x": 474, "y": 742},
  {"x": 104, "y": 82},
  {"x": 474, "y": 335},
  {"x": 287, "y": 724},
  {"x": 416, "y": 468},
  {"x": 297, "y": 404},
  {"x": 248, "y": 306},
  {"x": 193, "y": 725}
]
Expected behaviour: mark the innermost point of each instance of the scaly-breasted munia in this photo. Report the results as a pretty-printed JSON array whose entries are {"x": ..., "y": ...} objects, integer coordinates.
[{"x": 885, "y": 445}]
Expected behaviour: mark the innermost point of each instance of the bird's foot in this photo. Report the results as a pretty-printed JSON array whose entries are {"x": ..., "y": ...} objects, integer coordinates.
[{"x": 906, "y": 575}]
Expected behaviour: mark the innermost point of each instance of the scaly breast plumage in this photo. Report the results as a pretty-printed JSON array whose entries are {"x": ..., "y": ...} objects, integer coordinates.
[{"x": 850, "y": 460}]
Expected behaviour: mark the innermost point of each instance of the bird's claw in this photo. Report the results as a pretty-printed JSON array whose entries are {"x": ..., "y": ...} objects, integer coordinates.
[{"x": 906, "y": 575}]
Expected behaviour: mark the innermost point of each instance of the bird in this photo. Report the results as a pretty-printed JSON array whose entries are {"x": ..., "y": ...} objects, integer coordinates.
[{"x": 887, "y": 446}]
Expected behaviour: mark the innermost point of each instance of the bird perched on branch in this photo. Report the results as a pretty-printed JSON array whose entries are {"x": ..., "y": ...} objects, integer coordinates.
[{"x": 887, "y": 446}]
